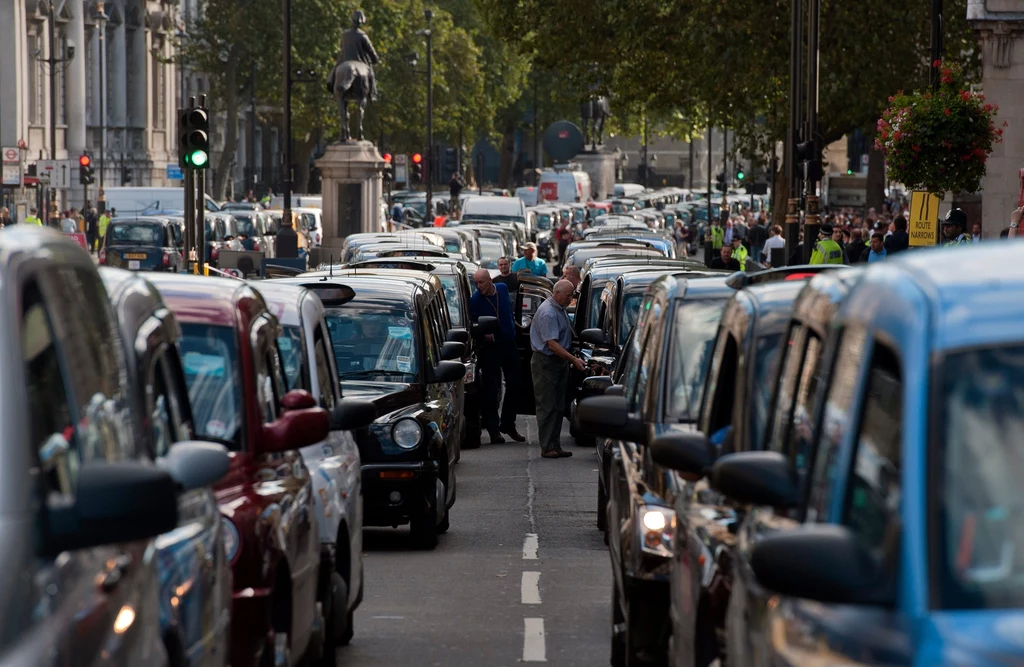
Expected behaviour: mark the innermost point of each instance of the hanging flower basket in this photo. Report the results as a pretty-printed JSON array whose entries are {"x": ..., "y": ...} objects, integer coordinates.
[{"x": 938, "y": 141}]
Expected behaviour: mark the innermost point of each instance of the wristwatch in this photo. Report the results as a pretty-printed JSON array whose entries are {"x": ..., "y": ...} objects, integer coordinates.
[{"x": 1013, "y": 225}]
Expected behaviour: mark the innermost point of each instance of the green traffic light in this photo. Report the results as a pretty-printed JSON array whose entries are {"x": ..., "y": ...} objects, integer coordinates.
[
  {"x": 849, "y": 172},
  {"x": 739, "y": 175},
  {"x": 198, "y": 159}
]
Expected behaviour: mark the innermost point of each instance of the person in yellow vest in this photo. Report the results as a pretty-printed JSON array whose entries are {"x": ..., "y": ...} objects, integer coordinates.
[
  {"x": 717, "y": 235},
  {"x": 953, "y": 228},
  {"x": 33, "y": 218},
  {"x": 826, "y": 251},
  {"x": 102, "y": 229},
  {"x": 739, "y": 252}
]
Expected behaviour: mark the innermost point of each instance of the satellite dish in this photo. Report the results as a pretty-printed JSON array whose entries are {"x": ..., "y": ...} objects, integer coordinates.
[{"x": 563, "y": 141}]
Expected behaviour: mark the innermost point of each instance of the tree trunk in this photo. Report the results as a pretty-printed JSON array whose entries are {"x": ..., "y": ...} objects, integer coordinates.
[
  {"x": 876, "y": 179},
  {"x": 507, "y": 159},
  {"x": 780, "y": 195},
  {"x": 303, "y": 151},
  {"x": 227, "y": 155}
]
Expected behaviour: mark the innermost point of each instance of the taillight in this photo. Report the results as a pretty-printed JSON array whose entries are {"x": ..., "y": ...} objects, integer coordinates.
[
  {"x": 215, "y": 252},
  {"x": 316, "y": 238},
  {"x": 167, "y": 260},
  {"x": 256, "y": 246},
  {"x": 103, "y": 256}
]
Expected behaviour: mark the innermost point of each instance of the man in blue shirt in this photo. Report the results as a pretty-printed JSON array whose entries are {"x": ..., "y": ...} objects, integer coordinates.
[
  {"x": 530, "y": 262},
  {"x": 550, "y": 340},
  {"x": 498, "y": 354},
  {"x": 878, "y": 251}
]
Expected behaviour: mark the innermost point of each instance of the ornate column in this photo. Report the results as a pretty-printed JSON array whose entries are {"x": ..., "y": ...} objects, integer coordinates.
[
  {"x": 117, "y": 110},
  {"x": 999, "y": 25}
]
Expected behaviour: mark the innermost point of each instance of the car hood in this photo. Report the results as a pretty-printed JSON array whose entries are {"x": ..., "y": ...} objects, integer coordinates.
[
  {"x": 387, "y": 396},
  {"x": 977, "y": 638}
]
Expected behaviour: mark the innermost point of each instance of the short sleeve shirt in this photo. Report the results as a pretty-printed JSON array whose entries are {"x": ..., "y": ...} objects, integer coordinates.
[
  {"x": 550, "y": 323},
  {"x": 536, "y": 266}
]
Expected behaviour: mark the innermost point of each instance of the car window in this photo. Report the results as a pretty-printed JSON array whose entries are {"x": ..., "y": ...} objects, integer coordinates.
[
  {"x": 835, "y": 424},
  {"x": 266, "y": 390},
  {"x": 49, "y": 417},
  {"x": 797, "y": 442},
  {"x": 651, "y": 358},
  {"x": 451, "y": 295},
  {"x": 766, "y": 357},
  {"x": 291, "y": 345},
  {"x": 874, "y": 491},
  {"x": 368, "y": 342},
  {"x": 719, "y": 392},
  {"x": 324, "y": 372},
  {"x": 209, "y": 356},
  {"x": 163, "y": 409},
  {"x": 632, "y": 369},
  {"x": 135, "y": 234},
  {"x": 791, "y": 362},
  {"x": 695, "y": 324},
  {"x": 630, "y": 314},
  {"x": 529, "y": 300}
]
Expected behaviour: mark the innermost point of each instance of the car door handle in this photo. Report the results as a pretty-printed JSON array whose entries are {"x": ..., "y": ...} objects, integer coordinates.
[{"x": 115, "y": 573}]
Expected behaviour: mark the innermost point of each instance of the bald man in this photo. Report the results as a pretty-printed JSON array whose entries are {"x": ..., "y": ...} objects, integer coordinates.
[
  {"x": 550, "y": 340},
  {"x": 497, "y": 355},
  {"x": 572, "y": 274}
]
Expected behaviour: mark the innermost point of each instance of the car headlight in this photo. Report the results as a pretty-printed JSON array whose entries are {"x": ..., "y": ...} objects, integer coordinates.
[
  {"x": 232, "y": 541},
  {"x": 656, "y": 526},
  {"x": 407, "y": 433}
]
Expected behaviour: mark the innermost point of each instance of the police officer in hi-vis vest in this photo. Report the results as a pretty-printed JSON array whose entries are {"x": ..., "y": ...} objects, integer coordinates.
[{"x": 826, "y": 251}]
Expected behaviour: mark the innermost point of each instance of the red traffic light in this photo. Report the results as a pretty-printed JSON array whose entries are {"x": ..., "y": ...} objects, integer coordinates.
[
  {"x": 417, "y": 158},
  {"x": 84, "y": 161},
  {"x": 387, "y": 158}
]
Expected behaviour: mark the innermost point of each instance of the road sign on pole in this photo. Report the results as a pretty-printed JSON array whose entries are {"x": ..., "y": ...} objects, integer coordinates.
[
  {"x": 401, "y": 168},
  {"x": 174, "y": 173},
  {"x": 924, "y": 218}
]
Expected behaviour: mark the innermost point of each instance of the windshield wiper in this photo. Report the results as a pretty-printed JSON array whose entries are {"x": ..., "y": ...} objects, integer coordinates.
[{"x": 372, "y": 372}]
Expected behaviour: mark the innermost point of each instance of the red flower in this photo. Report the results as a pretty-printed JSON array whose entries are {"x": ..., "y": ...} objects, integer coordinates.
[
  {"x": 915, "y": 147},
  {"x": 947, "y": 112},
  {"x": 965, "y": 96},
  {"x": 937, "y": 62},
  {"x": 999, "y": 132},
  {"x": 897, "y": 135}
]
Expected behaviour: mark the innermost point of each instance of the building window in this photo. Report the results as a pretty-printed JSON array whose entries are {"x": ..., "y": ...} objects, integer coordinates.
[
  {"x": 159, "y": 83},
  {"x": 35, "y": 79},
  {"x": 62, "y": 83}
]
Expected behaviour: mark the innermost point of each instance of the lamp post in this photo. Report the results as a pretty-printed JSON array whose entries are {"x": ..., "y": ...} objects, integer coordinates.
[
  {"x": 813, "y": 173},
  {"x": 181, "y": 35},
  {"x": 792, "y": 231},
  {"x": 429, "y": 175},
  {"x": 936, "y": 50},
  {"x": 52, "y": 60},
  {"x": 101, "y": 22}
]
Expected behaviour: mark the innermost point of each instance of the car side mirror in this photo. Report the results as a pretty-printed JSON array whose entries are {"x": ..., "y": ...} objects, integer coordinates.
[
  {"x": 457, "y": 335},
  {"x": 452, "y": 350},
  {"x": 688, "y": 453},
  {"x": 298, "y": 399},
  {"x": 823, "y": 562},
  {"x": 449, "y": 371},
  {"x": 615, "y": 390},
  {"x": 757, "y": 478},
  {"x": 352, "y": 413},
  {"x": 595, "y": 385},
  {"x": 114, "y": 503},
  {"x": 608, "y": 416},
  {"x": 194, "y": 464},
  {"x": 486, "y": 324},
  {"x": 295, "y": 429},
  {"x": 596, "y": 337}
]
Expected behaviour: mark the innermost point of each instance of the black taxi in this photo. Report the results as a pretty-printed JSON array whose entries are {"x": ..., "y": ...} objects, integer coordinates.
[
  {"x": 143, "y": 244},
  {"x": 389, "y": 337}
]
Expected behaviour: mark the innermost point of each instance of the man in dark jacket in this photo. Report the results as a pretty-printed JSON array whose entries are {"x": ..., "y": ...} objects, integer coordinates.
[
  {"x": 899, "y": 240},
  {"x": 287, "y": 240}
]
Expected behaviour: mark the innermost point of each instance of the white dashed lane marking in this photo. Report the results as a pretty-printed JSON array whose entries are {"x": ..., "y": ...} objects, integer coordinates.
[
  {"x": 533, "y": 640},
  {"x": 530, "y": 547},
  {"x": 531, "y": 588}
]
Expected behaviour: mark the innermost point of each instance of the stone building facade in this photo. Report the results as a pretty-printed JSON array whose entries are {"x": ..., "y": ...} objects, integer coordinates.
[{"x": 135, "y": 59}]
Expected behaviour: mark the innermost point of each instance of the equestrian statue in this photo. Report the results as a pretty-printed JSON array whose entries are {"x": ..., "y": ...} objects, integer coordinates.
[
  {"x": 594, "y": 111},
  {"x": 352, "y": 79}
]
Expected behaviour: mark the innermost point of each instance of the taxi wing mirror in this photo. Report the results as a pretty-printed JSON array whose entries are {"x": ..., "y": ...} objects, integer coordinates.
[
  {"x": 449, "y": 371},
  {"x": 596, "y": 337},
  {"x": 301, "y": 425},
  {"x": 687, "y": 453},
  {"x": 452, "y": 350},
  {"x": 352, "y": 413},
  {"x": 458, "y": 335},
  {"x": 608, "y": 416},
  {"x": 194, "y": 464},
  {"x": 486, "y": 324},
  {"x": 757, "y": 478}
]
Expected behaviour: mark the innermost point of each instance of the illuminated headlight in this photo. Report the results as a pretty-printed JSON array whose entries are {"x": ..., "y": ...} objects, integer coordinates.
[
  {"x": 470, "y": 372},
  {"x": 407, "y": 433},
  {"x": 232, "y": 541},
  {"x": 657, "y": 525}
]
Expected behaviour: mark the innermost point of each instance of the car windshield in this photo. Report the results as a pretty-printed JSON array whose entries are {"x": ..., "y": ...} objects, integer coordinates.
[
  {"x": 136, "y": 234},
  {"x": 978, "y": 497},
  {"x": 595, "y": 300},
  {"x": 452, "y": 245},
  {"x": 693, "y": 336},
  {"x": 630, "y": 313},
  {"x": 491, "y": 251},
  {"x": 370, "y": 343},
  {"x": 290, "y": 344},
  {"x": 451, "y": 295},
  {"x": 209, "y": 355},
  {"x": 701, "y": 212},
  {"x": 544, "y": 221},
  {"x": 245, "y": 225},
  {"x": 766, "y": 361}
]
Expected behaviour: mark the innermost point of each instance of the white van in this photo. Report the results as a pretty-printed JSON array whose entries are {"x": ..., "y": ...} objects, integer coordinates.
[
  {"x": 495, "y": 209},
  {"x": 298, "y": 201},
  {"x": 529, "y": 194},
  {"x": 129, "y": 201},
  {"x": 564, "y": 186},
  {"x": 314, "y": 221},
  {"x": 627, "y": 190}
]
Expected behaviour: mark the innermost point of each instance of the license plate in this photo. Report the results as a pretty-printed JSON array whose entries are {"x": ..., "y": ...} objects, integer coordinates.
[
  {"x": 470, "y": 372},
  {"x": 133, "y": 264},
  {"x": 135, "y": 255}
]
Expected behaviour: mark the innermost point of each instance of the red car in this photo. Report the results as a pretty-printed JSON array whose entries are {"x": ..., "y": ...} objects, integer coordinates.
[{"x": 235, "y": 380}]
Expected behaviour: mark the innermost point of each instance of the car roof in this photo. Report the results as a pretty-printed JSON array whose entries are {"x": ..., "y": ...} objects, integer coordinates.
[
  {"x": 683, "y": 285},
  {"x": 771, "y": 304},
  {"x": 283, "y": 299},
  {"x": 134, "y": 298},
  {"x": 207, "y": 300},
  {"x": 818, "y": 301},
  {"x": 384, "y": 286}
]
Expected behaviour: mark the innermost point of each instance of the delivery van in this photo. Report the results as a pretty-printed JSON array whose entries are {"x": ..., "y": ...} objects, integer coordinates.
[
  {"x": 565, "y": 186},
  {"x": 129, "y": 201}
]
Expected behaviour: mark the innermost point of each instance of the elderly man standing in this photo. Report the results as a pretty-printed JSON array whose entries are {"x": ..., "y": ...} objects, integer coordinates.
[
  {"x": 498, "y": 354},
  {"x": 550, "y": 340}
]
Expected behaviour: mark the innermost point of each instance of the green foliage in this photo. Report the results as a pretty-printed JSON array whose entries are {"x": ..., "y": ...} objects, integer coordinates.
[{"x": 939, "y": 140}]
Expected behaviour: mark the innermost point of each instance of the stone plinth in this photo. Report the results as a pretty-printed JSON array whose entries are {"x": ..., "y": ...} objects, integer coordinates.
[
  {"x": 352, "y": 190},
  {"x": 600, "y": 166},
  {"x": 999, "y": 25}
]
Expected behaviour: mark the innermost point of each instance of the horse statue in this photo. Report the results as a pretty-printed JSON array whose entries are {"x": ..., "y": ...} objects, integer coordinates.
[
  {"x": 352, "y": 79},
  {"x": 594, "y": 112}
]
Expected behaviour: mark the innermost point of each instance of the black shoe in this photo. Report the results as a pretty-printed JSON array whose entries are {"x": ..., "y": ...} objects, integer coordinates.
[
  {"x": 514, "y": 434},
  {"x": 562, "y": 454},
  {"x": 496, "y": 438}
]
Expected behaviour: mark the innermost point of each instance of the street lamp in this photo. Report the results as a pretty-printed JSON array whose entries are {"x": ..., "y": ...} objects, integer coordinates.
[
  {"x": 101, "y": 22},
  {"x": 429, "y": 177},
  {"x": 53, "y": 61}
]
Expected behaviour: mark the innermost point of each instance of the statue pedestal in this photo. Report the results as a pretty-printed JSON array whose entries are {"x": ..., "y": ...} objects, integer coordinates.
[
  {"x": 600, "y": 166},
  {"x": 352, "y": 191}
]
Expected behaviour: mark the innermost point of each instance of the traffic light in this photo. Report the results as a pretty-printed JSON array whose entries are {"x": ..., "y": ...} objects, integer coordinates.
[
  {"x": 126, "y": 175},
  {"x": 721, "y": 182},
  {"x": 389, "y": 171},
  {"x": 417, "y": 168},
  {"x": 740, "y": 175},
  {"x": 193, "y": 138},
  {"x": 451, "y": 161},
  {"x": 85, "y": 175}
]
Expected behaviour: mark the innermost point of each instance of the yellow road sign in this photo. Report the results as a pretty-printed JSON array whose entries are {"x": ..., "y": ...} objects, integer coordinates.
[{"x": 923, "y": 224}]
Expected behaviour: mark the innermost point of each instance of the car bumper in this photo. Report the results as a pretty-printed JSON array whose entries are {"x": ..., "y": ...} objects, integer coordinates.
[
  {"x": 649, "y": 607},
  {"x": 250, "y": 616},
  {"x": 393, "y": 493}
]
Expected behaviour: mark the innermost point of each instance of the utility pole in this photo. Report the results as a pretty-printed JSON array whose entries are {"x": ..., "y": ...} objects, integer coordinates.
[
  {"x": 251, "y": 180},
  {"x": 101, "y": 19},
  {"x": 709, "y": 242},
  {"x": 936, "y": 51},
  {"x": 538, "y": 160},
  {"x": 690, "y": 185},
  {"x": 813, "y": 175},
  {"x": 429, "y": 176},
  {"x": 647, "y": 164},
  {"x": 792, "y": 231},
  {"x": 286, "y": 216}
]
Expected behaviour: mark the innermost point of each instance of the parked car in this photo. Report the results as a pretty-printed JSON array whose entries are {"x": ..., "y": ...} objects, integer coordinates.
[
  {"x": 388, "y": 335},
  {"x": 195, "y": 576},
  {"x": 236, "y": 385},
  {"x": 80, "y": 505},
  {"x": 903, "y": 512},
  {"x": 662, "y": 382},
  {"x": 142, "y": 244},
  {"x": 309, "y": 365}
]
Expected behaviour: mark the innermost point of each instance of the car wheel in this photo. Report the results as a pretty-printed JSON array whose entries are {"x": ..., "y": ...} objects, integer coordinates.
[
  {"x": 423, "y": 530},
  {"x": 602, "y": 510},
  {"x": 337, "y": 625},
  {"x": 445, "y": 524},
  {"x": 618, "y": 631}
]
